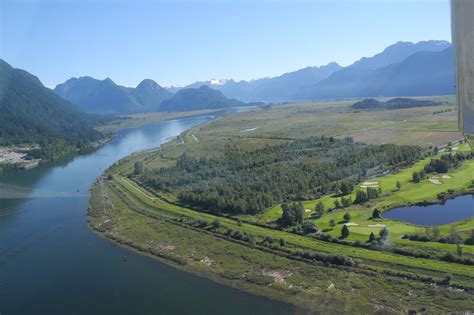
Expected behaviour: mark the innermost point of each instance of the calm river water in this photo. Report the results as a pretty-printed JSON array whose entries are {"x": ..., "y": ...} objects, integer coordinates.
[{"x": 51, "y": 263}]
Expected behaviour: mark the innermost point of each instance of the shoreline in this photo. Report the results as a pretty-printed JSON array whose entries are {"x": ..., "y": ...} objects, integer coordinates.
[{"x": 207, "y": 276}]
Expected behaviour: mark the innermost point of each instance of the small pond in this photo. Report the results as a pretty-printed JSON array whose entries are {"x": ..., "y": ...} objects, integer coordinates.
[{"x": 453, "y": 210}]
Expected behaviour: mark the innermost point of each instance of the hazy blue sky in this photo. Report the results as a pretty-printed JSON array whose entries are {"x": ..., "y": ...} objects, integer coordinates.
[{"x": 184, "y": 41}]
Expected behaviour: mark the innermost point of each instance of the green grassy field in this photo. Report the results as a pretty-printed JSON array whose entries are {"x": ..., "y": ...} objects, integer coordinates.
[{"x": 378, "y": 281}]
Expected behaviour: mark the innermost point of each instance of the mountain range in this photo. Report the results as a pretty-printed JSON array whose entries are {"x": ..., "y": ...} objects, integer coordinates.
[
  {"x": 423, "y": 73},
  {"x": 275, "y": 89},
  {"x": 96, "y": 96},
  {"x": 402, "y": 69}
]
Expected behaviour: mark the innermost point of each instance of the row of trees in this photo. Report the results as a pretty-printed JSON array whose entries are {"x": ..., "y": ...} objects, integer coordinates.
[
  {"x": 441, "y": 165},
  {"x": 447, "y": 162},
  {"x": 370, "y": 193}
]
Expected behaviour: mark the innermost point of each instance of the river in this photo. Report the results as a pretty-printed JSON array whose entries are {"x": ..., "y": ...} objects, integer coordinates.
[{"x": 51, "y": 263}]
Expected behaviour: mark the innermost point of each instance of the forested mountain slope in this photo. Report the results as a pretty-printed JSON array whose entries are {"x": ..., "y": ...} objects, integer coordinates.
[
  {"x": 201, "y": 98},
  {"x": 32, "y": 114}
]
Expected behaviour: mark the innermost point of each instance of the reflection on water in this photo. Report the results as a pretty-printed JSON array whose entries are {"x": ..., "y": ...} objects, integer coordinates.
[{"x": 51, "y": 263}]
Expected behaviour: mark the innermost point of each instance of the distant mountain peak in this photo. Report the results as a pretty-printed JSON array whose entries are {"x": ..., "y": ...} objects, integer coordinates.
[
  {"x": 108, "y": 80},
  {"x": 332, "y": 64},
  {"x": 148, "y": 84},
  {"x": 218, "y": 81},
  {"x": 206, "y": 88},
  {"x": 203, "y": 97}
]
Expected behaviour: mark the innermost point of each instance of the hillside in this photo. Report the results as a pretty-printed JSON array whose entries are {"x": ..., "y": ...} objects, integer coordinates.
[
  {"x": 201, "y": 98},
  {"x": 32, "y": 114},
  {"x": 95, "y": 96},
  {"x": 398, "y": 52}
]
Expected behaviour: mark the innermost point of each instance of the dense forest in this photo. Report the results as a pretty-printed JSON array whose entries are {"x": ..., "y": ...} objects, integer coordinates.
[
  {"x": 245, "y": 181},
  {"x": 32, "y": 114}
]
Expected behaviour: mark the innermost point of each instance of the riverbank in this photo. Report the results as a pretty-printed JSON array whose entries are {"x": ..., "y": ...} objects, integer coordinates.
[
  {"x": 160, "y": 229},
  {"x": 16, "y": 158}
]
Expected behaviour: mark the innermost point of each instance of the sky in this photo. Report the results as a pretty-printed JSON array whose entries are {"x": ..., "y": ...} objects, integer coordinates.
[{"x": 179, "y": 42}]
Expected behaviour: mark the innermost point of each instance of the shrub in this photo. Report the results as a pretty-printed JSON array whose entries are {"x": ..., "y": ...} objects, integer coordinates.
[
  {"x": 347, "y": 216},
  {"x": 216, "y": 224}
]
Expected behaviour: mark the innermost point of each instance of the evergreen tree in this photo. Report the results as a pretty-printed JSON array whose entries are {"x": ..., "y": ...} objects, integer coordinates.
[
  {"x": 398, "y": 185},
  {"x": 372, "y": 237},
  {"x": 376, "y": 214},
  {"x": 384, "y": 233},
  {"x": 344, "y": 231}
]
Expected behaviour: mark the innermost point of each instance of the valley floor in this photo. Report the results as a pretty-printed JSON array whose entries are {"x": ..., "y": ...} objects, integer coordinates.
[{"x": 251, "y": 254}]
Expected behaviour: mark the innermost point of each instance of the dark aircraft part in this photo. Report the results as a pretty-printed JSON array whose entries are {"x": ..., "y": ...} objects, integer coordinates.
[{"x": 462, "y": 18}]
